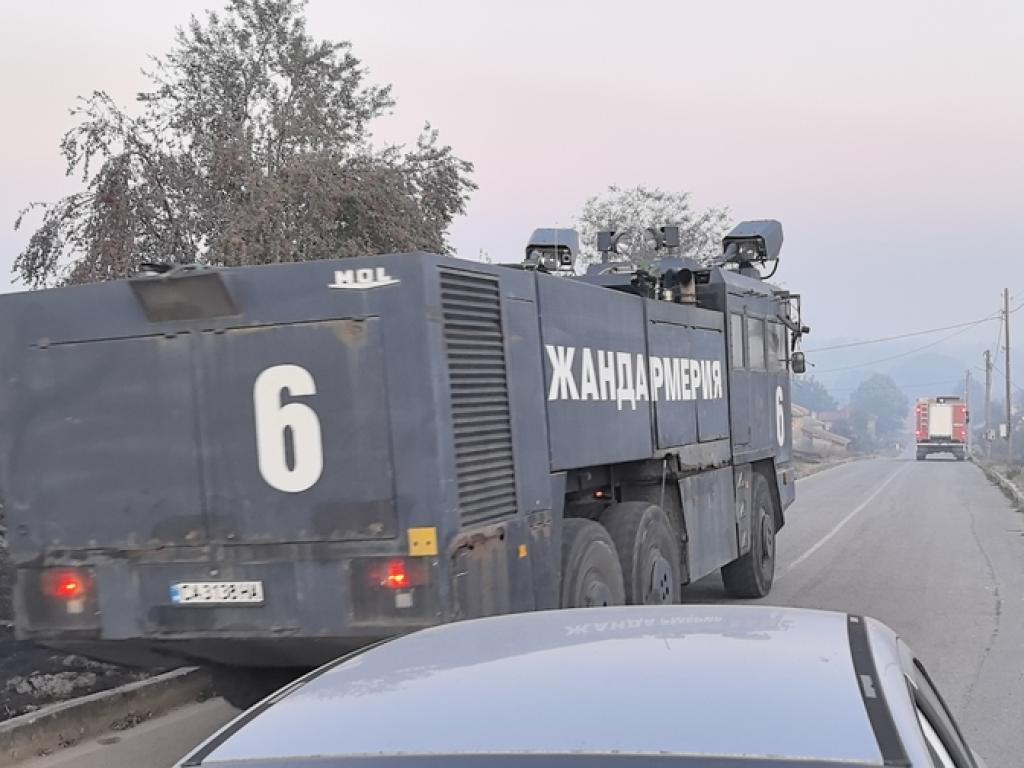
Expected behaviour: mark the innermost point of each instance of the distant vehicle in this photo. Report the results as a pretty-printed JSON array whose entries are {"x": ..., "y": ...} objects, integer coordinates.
[
  {"x": 704, "y": 686},
  {"x": 274, "y": 465},
  {"x": 941, "y": 427}
]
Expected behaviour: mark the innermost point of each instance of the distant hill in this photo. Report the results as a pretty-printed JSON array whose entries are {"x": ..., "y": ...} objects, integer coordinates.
[{"x": 927, "y": 373}]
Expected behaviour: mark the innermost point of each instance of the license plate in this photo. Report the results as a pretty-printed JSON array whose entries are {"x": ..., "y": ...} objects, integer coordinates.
[{"x": 217, "y": 592}]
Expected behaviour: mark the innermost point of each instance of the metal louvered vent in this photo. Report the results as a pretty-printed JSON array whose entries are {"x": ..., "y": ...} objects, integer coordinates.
[{"x": 475, "y": 348}]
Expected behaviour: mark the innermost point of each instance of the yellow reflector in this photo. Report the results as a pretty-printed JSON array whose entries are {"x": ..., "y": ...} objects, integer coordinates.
[
  {"x": 422, "y": 542},
  {"x": 522, "y": 551}
]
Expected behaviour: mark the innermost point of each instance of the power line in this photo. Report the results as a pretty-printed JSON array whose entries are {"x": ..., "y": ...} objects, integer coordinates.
[
  {"x": 901, "y": 385},
  {"x": 960, "y": 330},
  {"x": 904, "y": 335}
]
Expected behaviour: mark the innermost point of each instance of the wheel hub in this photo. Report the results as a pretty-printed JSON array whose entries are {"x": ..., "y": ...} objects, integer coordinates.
[
  {"x": 659, "y": 587},
  {"x": 596, "y": 592}
]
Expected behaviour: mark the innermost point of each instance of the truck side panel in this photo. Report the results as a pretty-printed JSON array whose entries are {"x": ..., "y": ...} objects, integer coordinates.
[
  {"x": 499, "y": 564},
  {"x": 709, "y": 511},
  {"x": 526, "y": 391},
  {"x": 677, "y": 332},
  {"x": 582, "y": 325}
]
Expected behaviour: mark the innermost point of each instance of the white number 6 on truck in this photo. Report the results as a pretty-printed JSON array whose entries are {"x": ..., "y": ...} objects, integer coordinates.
[
  {"x": 277, "y": 423},
  {"x": 780, "y": 416}
]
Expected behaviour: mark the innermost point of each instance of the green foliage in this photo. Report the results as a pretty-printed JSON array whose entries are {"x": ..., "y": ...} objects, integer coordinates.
[
  {"x": 252, "y": 146},
  {"x": 878, "y": 409},
  {"x": 640, "y": 207},
  {"x": 812, "y": 394}
]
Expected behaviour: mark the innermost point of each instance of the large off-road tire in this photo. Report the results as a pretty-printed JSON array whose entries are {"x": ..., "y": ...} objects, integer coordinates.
[
  {"x": 648, "y": 552},
  {"x": 751, "y": 575},
  {"x": 591, "y": 575}
]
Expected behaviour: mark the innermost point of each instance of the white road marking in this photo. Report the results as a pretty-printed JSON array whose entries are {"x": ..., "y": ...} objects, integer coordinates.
[{"x": 839, "y": 526}]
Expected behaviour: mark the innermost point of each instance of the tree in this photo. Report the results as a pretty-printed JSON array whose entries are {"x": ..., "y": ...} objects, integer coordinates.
[
  {"x": 812, "y": 394},
  {"x": 640, "y": 207},
  {"x": 252, "y": 146},
  {"x": 880, "y": 402}
]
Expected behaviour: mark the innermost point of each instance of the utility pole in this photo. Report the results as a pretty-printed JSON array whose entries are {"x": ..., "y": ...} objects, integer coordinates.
[
  {"x": 988, "y": 404},
  {"x": 967, "y": 408},
  {"x": 1009, "y": 399}
]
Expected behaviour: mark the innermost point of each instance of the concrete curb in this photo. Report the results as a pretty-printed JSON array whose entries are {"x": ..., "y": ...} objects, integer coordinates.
[
  {"x": 70, "y": 722},
  {"x": 1005, "y": 485},
  {"x": 821, "y": 469}
]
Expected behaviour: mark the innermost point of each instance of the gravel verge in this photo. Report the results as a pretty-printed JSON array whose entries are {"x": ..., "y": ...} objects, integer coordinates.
[{"x": 1008, "y": 478}]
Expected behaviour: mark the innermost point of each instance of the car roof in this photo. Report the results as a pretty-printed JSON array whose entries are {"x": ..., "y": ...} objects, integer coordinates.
[{"x": 739, "y": 681}]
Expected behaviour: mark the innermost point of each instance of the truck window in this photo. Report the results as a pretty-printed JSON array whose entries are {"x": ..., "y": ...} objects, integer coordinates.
[
  {"x": 755, "y": 343},
  {"x": 776, "y": 347},
  {"x": 736, "y": 340}
]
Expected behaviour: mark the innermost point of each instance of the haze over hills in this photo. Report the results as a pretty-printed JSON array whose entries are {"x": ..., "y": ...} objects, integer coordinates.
[{"x": 937, "y": 370}]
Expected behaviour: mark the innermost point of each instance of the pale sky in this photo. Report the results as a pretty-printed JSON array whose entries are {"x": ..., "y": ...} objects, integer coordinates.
[{"x": 887, "y": 137}]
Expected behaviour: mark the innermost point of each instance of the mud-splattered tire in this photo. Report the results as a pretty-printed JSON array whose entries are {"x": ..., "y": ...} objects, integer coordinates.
[
  {"x": 591, "y": 575},
  {"x": 648, "y": 552},
  {"x": 751, "y": 575}
]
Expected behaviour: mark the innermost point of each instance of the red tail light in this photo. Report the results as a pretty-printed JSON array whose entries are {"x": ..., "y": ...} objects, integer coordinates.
[
  {"x": 65, "y": 583},
  {"x": 399, "y": 574},
  {"x": 396, "y": 577}
]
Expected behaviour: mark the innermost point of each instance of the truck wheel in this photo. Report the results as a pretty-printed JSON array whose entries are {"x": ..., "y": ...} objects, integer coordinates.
[
  {"x": 751, "y": 575},
  {"x": 648, "y": 552},
  {"x": 591, "y": 575}
]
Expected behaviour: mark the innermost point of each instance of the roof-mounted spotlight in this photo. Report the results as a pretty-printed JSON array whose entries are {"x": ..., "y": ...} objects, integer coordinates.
[
  {"x": 752, "y": 242},
  {"x": 552, "y": 250}
]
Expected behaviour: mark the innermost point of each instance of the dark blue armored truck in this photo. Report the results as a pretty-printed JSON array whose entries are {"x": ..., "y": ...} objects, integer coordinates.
[{"x": 272, "y": 465}]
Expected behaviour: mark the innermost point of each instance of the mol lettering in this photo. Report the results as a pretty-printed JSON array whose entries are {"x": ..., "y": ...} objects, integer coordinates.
[{"x": 360, "y": 279}]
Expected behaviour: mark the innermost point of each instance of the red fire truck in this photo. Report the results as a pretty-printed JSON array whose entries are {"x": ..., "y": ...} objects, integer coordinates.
[{"x": 941, "y": 427}]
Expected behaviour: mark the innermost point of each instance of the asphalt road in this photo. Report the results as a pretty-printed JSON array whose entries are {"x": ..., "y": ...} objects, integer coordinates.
[
  {"x": 930, "y": 548},
  {"x": 936, "y": 552}
]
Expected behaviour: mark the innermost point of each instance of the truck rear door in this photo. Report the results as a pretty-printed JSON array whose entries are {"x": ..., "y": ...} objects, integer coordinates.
[
  {"x": 295, "y": 432},
  {"x": 123, "y": 433},
  {"x": 102, "y": 449},
  {"x": 940, "y": 421}
]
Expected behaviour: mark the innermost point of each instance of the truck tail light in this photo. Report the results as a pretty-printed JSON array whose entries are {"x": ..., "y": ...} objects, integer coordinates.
[
  {"x": 398, "y": 574},
  {"x": 66, "y": 584},
  {"x": 384, "y": 590}
]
